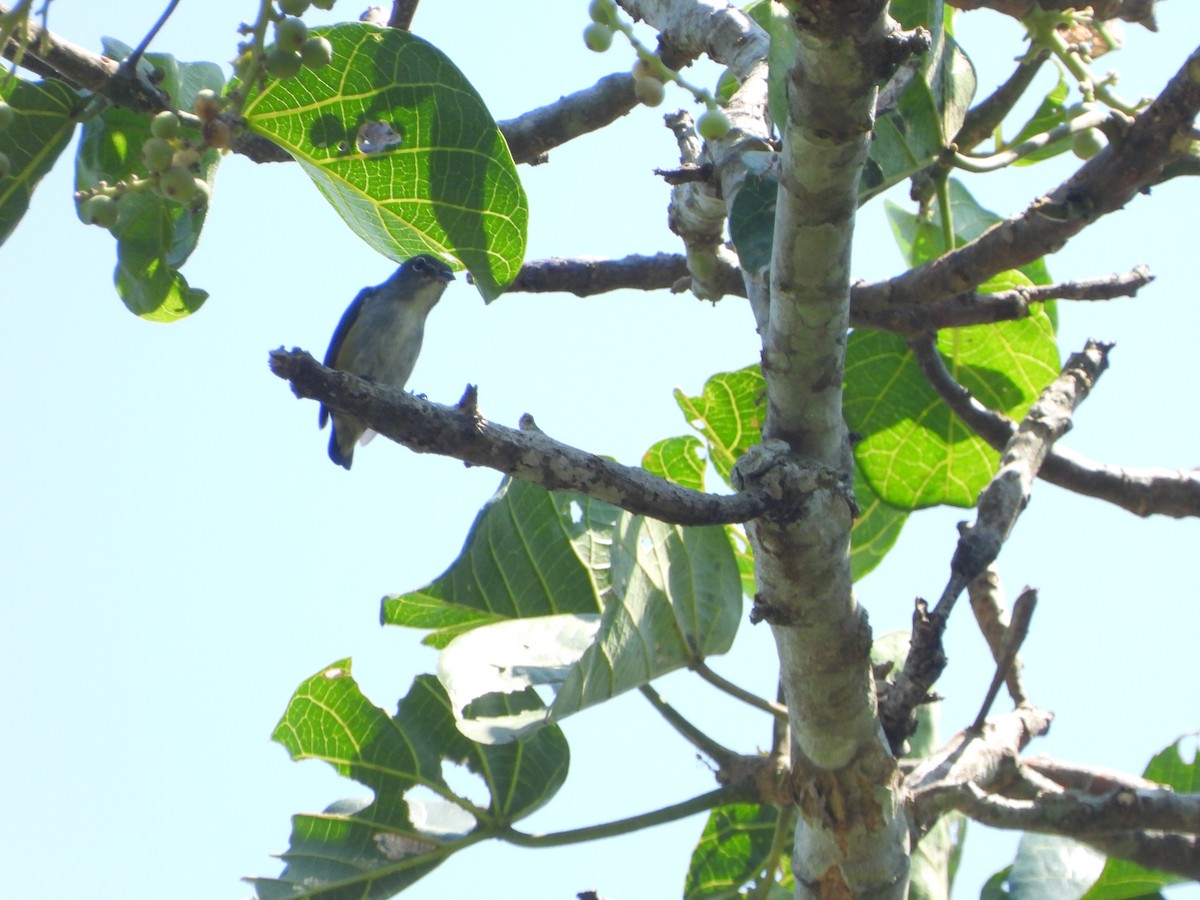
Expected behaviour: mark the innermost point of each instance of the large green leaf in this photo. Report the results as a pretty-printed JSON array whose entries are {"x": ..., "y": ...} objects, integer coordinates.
[
  {"x": 155, "y": 236},
  {"x": 1048, "y": 867},
  {"x": 681, "y": 460},
  {"x": 376, "y": 848},
  {"x": 915, "y": 452},
  {"x": 673, "y": 597},
  {"x": 403, "y": 147},
  {"x": 529, "y": 553},
  {"x": 676, "y": 599},
  {"x": 41, "y": 129},
  {"x": 728, "y": 414},
  {"x": 1124, "y": 880}
]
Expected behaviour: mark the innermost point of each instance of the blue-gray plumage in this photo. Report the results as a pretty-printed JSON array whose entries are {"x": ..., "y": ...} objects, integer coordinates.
[{"x": 379, "y": 338}]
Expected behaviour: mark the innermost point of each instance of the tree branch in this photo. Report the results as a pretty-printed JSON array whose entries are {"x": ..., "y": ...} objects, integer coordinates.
[
  {"x": 462, "y": 433},
  {"x": 1000, "y": 503},
  {"x": 972, "y": 308},
  {"x": 1143, "y": 491},
  {"x": 983, "y": 757},
  {"x": 532, "y": 134},
  {"x": 1137, "y": 11},
  {"x": 987, "y": 602},
  {"x": 1160, "y": 134}
]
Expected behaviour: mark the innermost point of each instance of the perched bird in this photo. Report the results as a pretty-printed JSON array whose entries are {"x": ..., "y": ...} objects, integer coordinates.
[{"x": 379, "y": 338}]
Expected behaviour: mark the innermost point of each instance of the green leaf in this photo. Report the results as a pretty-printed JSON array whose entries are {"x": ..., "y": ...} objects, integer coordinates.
[
  {"x": 1124, "y": 880},
  {"x": 733, "y": 850},
  {"x": 752, "y": 221},
  {"x": 678, "y": 459},
  {"x": 921, "y": 240},
  {"x": 375, "y": 849},
  {"x": 41, "y": 129},
  {"x": 915, "y": 452},
  {"x": 155, "y": 236},
  {"x": 553, "y": 561},
  {"x": 530, "y": 552},
  {"x": 875, "y": 530},
  {"x": 728, "y": 414},
  {"x": 403, "y": 147},
  {"x": 676, "y": 599},
  {"x": 1049, "y": 867}
]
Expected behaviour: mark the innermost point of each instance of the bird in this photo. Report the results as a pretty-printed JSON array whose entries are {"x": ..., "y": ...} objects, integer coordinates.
[{"x": 379, "y": 338}]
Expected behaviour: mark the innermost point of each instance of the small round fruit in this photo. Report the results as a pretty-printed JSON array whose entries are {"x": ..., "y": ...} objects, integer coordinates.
[
  {"x": 323, "y": 4},
  {"x": 6, "y": 115},
  {"x": 713, "y": 124},
  {"x": 293, "y": 7},
  {"x": 603, "y": 12},
  {"x": 1087, "y": 143},
  {"x": 202, "y": 194},
  {"x": 598, "y": 37},
  {"x": 283, "y": 63},
  {"x": 649, "y": 91},
  {"x": 645, "y": 69},
  {"x": 291, "y": 32},
  {"x": 316, "y": 53},
  {"x": 165, "y": 125},
  {"x": 207, "y": 105},
  {"x": 178, "y": 184},
  {"x": 5, "y": 165},
  {"x": 217, "y": 134},
  {"x": 99, "y": 210},
  {"x": 157, "y": 154}
]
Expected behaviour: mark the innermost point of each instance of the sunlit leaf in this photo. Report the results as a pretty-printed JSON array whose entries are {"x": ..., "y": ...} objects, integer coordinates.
[
  {"x": 441, "y": 182},
  {"x": 42, "y": 126},
  {"x": 530, "y": 552},
  {"x": 677, "y": 459},
  {"x": 915, "y": 452},
  {"x": 375, "y": 848}
]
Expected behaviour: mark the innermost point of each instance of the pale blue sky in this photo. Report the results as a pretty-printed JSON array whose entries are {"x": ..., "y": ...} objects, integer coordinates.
[{"x": 179, "y": 553}]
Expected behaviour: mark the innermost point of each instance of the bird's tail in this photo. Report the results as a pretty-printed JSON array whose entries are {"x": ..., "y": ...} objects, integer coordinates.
[{"x": 341, "y": 450}]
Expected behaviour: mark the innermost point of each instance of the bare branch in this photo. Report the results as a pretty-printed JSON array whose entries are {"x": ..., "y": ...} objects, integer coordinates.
[
  {"x": 987, "y": 602},
  {"x": 1000, "y": 503},
  {"x": 49, "y": 55},
  {"x": 587, "y": 277},
  {"x": 973, "y": 308},
  {"x": 1075, "y": 814},
  {"x": 984, "y": 757},
  {"x": 462, "y": 433},
  {"x": 1006, "y": 659},
  {"x": 532, "y": 134},
  {"x": 402, "y": 14},
  {"x": 1143, "y": 491},
  {"x": 1087, "y": 779},
  {"x": 1102, "y": 185},
  {"x": 718, "y": 752},
  {"x": 1137, "y": 11}
]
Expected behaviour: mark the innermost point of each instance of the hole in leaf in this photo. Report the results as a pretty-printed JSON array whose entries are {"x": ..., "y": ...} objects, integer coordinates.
[
  {"x": 576, "y": 512},
  {"x": 466, "y": 783}
]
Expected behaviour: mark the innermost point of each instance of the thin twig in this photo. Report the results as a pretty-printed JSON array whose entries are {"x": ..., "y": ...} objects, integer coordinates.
[
  {"x": 987, "y": 603},
  {"x": 1018, "y": 629}
]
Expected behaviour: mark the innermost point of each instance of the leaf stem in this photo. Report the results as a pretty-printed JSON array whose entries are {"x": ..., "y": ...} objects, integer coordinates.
[
  {"x": 690, "y": 732},
  {"x": 778, "y": 710},
  {"x": 670, "y": 813}
]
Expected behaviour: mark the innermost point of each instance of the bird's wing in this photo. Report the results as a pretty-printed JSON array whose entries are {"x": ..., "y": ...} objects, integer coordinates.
[{"x": 339, "y": 337}]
